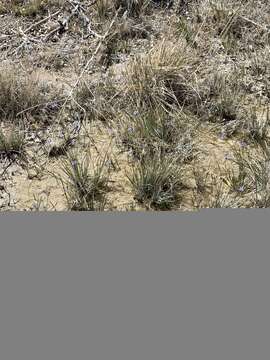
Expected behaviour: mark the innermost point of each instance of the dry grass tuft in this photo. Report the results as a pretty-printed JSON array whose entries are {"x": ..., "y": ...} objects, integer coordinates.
[
  {"x": 157, "y": 182},
  {"x": 30, "y": 8},
  {"x": 25, "y": 95},
  {"x": 161, "y": 76},
  {"x": 86, "y": 183}
]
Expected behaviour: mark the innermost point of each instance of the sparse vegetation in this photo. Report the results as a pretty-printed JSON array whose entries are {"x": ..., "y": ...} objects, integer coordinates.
[{"x": 179, "y": 89}]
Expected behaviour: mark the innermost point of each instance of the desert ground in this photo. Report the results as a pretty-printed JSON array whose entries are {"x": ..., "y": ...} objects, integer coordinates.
[{"x": 135, "y": 105}]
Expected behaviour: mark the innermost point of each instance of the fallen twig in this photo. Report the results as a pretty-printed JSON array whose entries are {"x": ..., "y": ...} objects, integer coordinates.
[
  {"x": 42, "y": 21},
  {"x": 264, "y": 28}
]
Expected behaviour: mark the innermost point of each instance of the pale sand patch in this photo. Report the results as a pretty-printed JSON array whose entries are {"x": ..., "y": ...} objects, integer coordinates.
[{"x": 95, "y": 142}]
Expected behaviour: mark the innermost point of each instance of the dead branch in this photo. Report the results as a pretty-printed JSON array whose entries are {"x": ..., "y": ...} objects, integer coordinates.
[{"x": 42, "y": 21}]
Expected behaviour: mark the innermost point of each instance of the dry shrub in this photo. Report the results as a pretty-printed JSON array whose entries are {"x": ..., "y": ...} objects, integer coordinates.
[
  {"x": 22, "y": 94},
  {"x": 95, "y": 98},
  {"x": 161, "y": 76},
  {"x": 132, "y": 8},
  {"x": 12, "y": 144},
  {"x": 29, "y": 8},
  {"x": 221, "y": 98}
]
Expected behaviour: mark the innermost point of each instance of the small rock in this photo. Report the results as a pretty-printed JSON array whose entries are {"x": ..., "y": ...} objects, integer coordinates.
[{"x": 32, "y": 174}]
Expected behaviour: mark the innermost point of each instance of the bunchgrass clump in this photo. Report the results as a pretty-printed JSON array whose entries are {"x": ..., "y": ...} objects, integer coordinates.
[
  {"x": 221, "y": 98},
  {"x": 252, "y": 177},
  {"x": 24, "y": 95},
  {"x": 28, "y": 8},
  {"x": 186, "y": 30},
  {"x": 222, "y": 199},
  {"x": 156, "y": 130},
  {"x": 12, "y": 144},
  {"x": 260, "y": 62},
  {"x": 258, "y": 127},
  {"x": 161, "y": 76},
  {"x": 96, "y": 99},
  {"x": 157, "y": 182},
  {"x": 132, "y": 8},
  {"x": 86, "y": 183}
]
